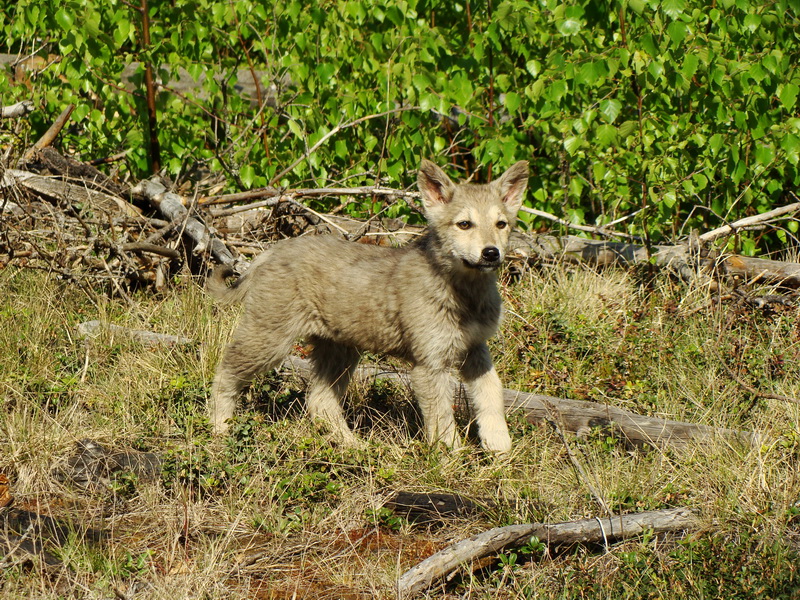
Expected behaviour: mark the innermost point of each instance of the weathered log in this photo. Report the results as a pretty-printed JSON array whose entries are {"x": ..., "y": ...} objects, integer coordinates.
[
  {"x": 731, "y": 228},
  {"x": 68, "y": 193},
  {"x": 576, "y": 416},
  {"x": 678, "y": 258},
  {"x": 172, "y": 207},
  {"x": 48, "y": 161},
  {"x": 581, "y": 416},
  {"x": 420, "y": 577}
]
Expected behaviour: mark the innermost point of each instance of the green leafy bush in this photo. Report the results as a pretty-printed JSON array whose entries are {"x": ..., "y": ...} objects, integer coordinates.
[{"x": 681, "y": 113}]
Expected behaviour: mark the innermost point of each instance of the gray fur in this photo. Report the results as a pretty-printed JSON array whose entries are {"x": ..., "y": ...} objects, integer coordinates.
[{"x": 433, "y": 303}]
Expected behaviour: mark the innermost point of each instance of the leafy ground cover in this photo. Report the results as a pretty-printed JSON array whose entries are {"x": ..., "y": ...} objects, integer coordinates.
[{"x": 276, "y": 511}]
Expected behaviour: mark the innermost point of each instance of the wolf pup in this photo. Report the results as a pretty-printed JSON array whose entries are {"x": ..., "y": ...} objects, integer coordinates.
[{"x": 433, "y": 303}]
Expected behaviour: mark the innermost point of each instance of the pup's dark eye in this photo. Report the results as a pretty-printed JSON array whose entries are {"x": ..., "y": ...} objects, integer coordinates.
[
  {"x": 502, "y": 224},
  {"x": 463, "y": 224}
]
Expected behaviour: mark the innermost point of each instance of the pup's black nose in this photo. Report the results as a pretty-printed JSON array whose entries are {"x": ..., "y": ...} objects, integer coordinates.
[{"x": 490, "y": 254}]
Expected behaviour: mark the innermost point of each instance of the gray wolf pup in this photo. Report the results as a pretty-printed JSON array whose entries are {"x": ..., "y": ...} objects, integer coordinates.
[{"x": 433, "y": 303}]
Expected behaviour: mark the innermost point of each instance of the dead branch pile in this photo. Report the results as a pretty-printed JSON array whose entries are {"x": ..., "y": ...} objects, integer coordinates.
[{"x": 71, "y": 219}]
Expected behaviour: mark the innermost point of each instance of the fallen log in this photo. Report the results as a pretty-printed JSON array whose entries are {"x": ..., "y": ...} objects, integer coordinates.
[
  {"x": 68, "y": 193},
  {"x": 576, "y": 416},
  {"x": 688, "y": 264},
  {"x": 420, "y": 577},
  {"x": 678, "y": 258}
]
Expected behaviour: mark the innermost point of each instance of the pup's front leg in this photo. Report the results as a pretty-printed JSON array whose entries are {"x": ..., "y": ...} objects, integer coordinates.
[
  {"x": 485, "y": 393},
  {"x": 434, "y": 392}
]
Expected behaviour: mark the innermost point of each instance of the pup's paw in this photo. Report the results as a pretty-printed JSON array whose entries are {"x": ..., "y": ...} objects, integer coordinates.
[
  {"x": 496, "y": 441},
  {"x": 219, "y": 428}
]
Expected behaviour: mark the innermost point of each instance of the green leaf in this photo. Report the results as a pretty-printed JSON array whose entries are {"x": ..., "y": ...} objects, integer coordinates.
[
  {"x": 534, "y": 67},
  {"x": 638, "y": 6},
  {"x": 650, "y": 46},
  {"x": 591, "y": 72},
  {"x": 677, "y": 31},
  {"x": 512, "y": 101},
  {"x": 572, "y": 144},
  {"x": 295, "y": 127},
  {"x": 669, "y": 198},
  {"x": 606, "y": 135},
  {"x": 247, "y": 174},
  {"x": 673, "y": 8},
  {"x": 689, "y": 66},
  {"x": 421, "y": 82},
  {"x": 752, "y": 22},
  {"x": 791, "y": 146},
  {"x": 610, "y": 109},
  {"x": 788, "y": 95},
  {"x": 64, "y": 19},
  {"x": 765, "y": 154},
  {"x": 569, "y": 27}
]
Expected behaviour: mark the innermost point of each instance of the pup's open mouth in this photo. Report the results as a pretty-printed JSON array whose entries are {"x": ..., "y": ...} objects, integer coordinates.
[{"x": 482, "y": 265}]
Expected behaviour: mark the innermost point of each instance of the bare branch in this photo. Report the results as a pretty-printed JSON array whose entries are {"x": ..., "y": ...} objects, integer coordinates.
[{"x": 20, "y": 109}]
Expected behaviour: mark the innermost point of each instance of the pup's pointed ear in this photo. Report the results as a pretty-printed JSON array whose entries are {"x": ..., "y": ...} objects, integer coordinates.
[
  {"x": 434, "y": 185},
  {"x": 512, "y": 185}
]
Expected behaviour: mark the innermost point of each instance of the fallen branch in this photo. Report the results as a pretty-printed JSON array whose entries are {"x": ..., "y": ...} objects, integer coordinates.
[
  {"x": 15, "y": 111},
  {"x": 51, "y": 134},
  {"x": 90, "y": 329},
  {"x": 420, "y": 577},
  {"x": 602, "y": 230},
  {"x": 171, "y": 206},
  {"x": 152, "y": 249},
  {"x": 734, "y": 227},
  {"x": 576, "y": 416},
  {"x": 272, "y": 196}
]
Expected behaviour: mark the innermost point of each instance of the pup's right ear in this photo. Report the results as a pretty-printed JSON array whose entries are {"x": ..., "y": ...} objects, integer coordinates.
[{"x": 434, "y": 184}]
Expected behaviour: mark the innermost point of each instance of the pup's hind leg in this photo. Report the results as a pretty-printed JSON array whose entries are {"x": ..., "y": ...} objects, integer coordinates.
[
  {"x": 333, "y": 366},
  {"x": 485, "y": 393},
  {"x": 434, "y": 391},
  {"x": 250, "y": 352}
]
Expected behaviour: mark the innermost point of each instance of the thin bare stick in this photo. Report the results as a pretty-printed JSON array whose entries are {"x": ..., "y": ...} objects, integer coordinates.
[
  {"x": 333, "y": 132},
  {"x": 732, "y": 228},
  {"x": 293, "y": 195},
  {"x": 271, "y": 193},
  {"x": 588, "y": 228},
  {"x": 555, "y": 418},
  {"x": 150, "y": 89},
  {"x": 751, "y": 390},
  {"x": 51, "y": 134}
]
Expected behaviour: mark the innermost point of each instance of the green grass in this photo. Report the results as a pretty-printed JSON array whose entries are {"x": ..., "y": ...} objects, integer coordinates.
[{"x": 275, "y": 509}]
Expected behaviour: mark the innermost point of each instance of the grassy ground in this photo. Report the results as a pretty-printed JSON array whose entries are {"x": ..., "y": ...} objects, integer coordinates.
[{"x": 276, "y": 511}]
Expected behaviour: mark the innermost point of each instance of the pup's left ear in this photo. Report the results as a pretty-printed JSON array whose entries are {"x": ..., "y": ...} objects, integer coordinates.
[
  {"x": 512, "y": 185},
  {"x": 434, "y": 185}
]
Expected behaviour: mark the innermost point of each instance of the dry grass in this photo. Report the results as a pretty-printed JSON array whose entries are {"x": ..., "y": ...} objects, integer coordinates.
[{"x": 276, "y": 511}]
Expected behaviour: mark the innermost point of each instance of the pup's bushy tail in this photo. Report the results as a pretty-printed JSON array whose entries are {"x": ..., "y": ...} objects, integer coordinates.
[{"x": 221, "y": 291}]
